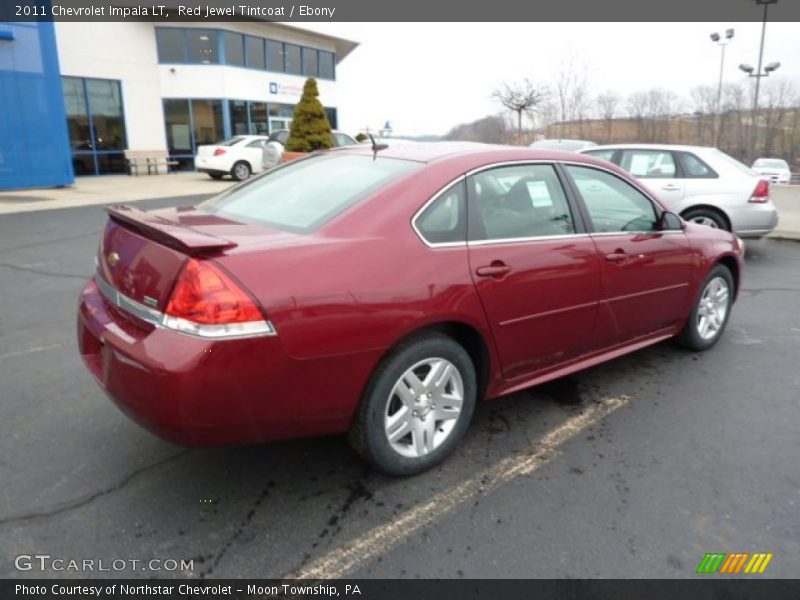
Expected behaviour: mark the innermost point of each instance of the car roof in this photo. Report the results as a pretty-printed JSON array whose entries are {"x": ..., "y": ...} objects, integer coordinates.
[
  {"x": 474, "y": 153},
  {"x": 647, "y": 147}
]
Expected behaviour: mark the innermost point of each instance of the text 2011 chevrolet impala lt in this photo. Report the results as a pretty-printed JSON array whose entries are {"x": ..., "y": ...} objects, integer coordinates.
[{"x": 385, "y": 292}]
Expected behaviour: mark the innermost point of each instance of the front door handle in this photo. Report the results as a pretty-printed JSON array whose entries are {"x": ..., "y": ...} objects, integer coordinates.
[
  {"x": 617, "y": 256},
  {"x": 497, "y": 269}
]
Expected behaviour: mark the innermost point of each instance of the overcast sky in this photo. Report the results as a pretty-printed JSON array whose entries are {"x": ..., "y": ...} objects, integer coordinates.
[{"x": 427, "y": 77}]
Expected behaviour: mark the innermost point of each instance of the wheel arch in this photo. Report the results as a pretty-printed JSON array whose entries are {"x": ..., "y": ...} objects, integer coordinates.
[
  {"x": 733, "y": 266},
  {"x": 709, "y": 207}
]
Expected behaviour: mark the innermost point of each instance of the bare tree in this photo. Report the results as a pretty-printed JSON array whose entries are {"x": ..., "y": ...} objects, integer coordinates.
[
  {"x": 704, "y": 100},
  {"x": 779, "y": 96},
  {"x": 733, "y": 133},
  {"x": 637, "y": 108},
  {"x": 608, "y": 104},
  {"x": 522, "y": 98}
]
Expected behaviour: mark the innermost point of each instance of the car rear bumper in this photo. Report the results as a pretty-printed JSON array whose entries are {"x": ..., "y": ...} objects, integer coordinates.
[
  {"x": 189, "y": 390},
  {"x": 212, "y": 164},
  {"x": 754, "y": 220}
]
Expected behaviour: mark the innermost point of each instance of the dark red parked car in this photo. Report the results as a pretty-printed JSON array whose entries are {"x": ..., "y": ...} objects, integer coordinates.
[{"x": 384, "y": 293}]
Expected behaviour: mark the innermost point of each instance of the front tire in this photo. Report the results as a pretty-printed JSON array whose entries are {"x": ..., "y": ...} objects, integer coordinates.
[
  {"x": 711, "y": 311},
  {"x": 417, "y": 406},
  {"x": 241, "y": 171}
]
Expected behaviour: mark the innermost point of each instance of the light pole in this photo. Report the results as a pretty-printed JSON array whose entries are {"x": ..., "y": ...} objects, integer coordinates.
[
  {"x": 758, "y": 75},
  {"x": 717, "y": 39}
]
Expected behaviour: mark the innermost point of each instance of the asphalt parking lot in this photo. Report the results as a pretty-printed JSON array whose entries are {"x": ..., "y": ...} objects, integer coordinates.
[{"x": 699, "y": 454}]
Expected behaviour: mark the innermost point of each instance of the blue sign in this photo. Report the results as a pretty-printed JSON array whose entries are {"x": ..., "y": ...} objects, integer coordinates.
[{"x": 273, "y": 87}]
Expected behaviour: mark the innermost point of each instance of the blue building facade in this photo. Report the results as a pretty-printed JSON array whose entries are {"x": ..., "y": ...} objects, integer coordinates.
[{"x": 34, "y": 146}]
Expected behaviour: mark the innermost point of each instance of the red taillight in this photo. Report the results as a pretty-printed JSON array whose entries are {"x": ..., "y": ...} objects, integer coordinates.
[
  {"x": 206, "y": 295},
  {"x": 219, "y": 151},
  {"x": 761, "y": 193}
]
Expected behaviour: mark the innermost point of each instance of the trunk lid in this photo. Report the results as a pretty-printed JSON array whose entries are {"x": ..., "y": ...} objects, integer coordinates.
[{"x": 142, "y": 253}]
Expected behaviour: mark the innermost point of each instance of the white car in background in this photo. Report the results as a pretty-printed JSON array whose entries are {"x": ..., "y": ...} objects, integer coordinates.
[
  {"x": 273, "y": 150},
  {"x": 702, "y": 185},
  {"x": 238, "y": 157},
  {"x": 776, "y": 169}
]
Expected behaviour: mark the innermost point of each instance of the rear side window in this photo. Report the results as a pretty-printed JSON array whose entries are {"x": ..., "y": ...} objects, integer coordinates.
[
  {"x": 444, "y": 220},
  {"x": 518, "y": 202},
  {"x": 694, "y": 168},
  {"x": 306, "y": 194},
  {"x": 648, "y": 164}
]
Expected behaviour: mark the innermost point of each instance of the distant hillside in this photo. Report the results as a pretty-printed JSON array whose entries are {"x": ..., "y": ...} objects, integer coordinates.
[{"x": 491, "y": 130}]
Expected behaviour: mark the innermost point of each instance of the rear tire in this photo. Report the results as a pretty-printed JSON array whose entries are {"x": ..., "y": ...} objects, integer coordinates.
[
  {"x": 708, "y": 217},
  {"x": 241, "y": 171},
  {"x": 417, "y": 406},
  {"x": 710, "y": 312}
]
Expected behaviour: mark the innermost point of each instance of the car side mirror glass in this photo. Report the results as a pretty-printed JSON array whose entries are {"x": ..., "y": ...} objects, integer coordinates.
[{"x": 669, "y": 221}]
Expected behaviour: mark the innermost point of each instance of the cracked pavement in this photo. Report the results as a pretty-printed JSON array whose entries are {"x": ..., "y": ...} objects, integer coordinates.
[{"x": 702, "y": 459}]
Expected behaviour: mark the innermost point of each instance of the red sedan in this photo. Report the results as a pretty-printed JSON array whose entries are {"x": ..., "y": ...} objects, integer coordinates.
[{"x": 383, "y": 292}]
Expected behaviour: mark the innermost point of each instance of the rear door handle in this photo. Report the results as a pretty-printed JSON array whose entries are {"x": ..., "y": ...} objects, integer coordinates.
[
  {"x": 670, "y": 187},
  {"x": 497, "y": 269}
]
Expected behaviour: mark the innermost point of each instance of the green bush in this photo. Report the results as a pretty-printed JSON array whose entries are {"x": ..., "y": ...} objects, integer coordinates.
[
  {"x": 362, "y": 137},
  {"x": 311, "y": 129}
]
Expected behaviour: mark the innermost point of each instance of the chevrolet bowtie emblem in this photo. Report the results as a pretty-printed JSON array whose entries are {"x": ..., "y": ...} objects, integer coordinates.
[{"x": 113, "y": 259}]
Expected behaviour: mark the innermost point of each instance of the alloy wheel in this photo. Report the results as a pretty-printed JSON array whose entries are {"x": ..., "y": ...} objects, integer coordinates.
[
  {"x": 423, "y": 407},
  {"x": 713, "y": 309}
]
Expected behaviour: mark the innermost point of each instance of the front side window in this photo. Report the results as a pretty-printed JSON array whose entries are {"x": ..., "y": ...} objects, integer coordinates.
[
  {"x": 614, "y": 205},
  {"x": 444, "y": 220},
  {"x": 524, "y": 201},
  {"x": 304, "y": 195},
  {"x": 652, "y": 164}
]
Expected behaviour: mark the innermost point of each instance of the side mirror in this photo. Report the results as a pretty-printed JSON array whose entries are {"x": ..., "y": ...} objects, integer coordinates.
[{"x": 669, "y": 221}]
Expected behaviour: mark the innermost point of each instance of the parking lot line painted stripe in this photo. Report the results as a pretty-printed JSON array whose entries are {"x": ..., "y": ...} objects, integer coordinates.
[
  {"x": 383, "y": 538},
  {"x": 30, "y": 350}
]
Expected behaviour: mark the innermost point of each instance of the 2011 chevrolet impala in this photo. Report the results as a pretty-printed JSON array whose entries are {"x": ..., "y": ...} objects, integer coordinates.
[{"x": 383, "y": 291}]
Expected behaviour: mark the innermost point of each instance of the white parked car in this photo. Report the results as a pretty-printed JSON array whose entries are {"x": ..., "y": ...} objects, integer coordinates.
[
  {"x": 273, "y": 150},
  {"x": 776, "y": 169},
  {"x": 559, "y": 144},
  {"x": 238, "y": 157},
  {"x": 703, "y": 185}
]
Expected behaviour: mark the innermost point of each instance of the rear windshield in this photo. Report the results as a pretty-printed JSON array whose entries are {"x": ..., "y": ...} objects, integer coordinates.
[
  {"x": 230, "y": 142},
  {"x": 771, "y": 164},
  {"x": 734, "y": 163},
  {"x": 304, "y": 195}
]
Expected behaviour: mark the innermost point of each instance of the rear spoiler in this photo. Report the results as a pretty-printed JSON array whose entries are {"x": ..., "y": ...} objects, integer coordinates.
[{"x": 167, "y": 232}]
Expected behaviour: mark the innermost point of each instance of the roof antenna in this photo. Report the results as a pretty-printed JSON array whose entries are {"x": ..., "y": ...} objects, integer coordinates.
[{"x": 376, "y": 147}]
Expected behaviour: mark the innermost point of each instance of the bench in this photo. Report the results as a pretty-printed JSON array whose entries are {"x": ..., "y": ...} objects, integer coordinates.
[{"x": 152, "y": 160}]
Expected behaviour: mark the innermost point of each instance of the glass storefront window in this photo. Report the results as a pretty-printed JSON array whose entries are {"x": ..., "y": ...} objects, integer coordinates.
[
  {"x": 254, "y": 52},
  {"x": 326, "y": 65},
  {"x": 237, "y": 112},
  {"x": 234, "y": 48},
  {"x": 258, "y": 118},
  {"x": 170, "y": 44},
  {"x": 96, "y": 125},
  {"x": 179, "y": 126},
  {"x": 310, "y": 62},
  {"x": 207, "y": 116},
  {"x": 275, "y": 56},
  {"x": 293, "y": 63},
  {"x": 201, "y": 46}
]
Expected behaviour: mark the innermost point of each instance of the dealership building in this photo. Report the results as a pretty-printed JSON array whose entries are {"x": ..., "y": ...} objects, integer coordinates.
[{"x": 75, "y": 96}]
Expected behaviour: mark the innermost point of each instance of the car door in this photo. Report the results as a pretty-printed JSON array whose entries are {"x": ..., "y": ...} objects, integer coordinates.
[
  {"x": 253, "y": 153},
  {"x": 646, "y": 272},
  {"x": 535, "y": 268},
  {"x": 658, "y": 170}
]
